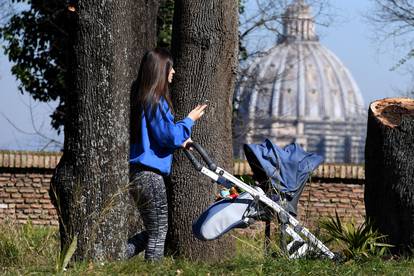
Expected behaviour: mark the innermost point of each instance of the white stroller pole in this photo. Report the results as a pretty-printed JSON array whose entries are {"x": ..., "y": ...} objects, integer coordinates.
[{"x": 298, "y": 232}]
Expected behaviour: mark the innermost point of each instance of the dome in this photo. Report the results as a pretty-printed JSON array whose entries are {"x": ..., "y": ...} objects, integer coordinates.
[
  {"x": 300, "y": 91},
  {"x": 300, "y": 80}
]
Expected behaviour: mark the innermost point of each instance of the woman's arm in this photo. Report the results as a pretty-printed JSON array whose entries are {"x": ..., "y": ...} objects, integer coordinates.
[{"x": 163, "y": 129}]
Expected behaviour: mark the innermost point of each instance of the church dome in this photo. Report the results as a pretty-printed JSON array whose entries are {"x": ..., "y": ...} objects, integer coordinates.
[
  {"x": 297, "y": 83},
  {"x": 300, "y": 80}
]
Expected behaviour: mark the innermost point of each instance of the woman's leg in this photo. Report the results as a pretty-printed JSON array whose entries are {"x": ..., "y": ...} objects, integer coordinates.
[
  {"x": 137, "y": 243},
  {"x": 149, "y": 192}
]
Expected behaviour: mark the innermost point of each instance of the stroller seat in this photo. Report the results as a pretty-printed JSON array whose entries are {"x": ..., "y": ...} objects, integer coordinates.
[{"x": 223, "y": 216}]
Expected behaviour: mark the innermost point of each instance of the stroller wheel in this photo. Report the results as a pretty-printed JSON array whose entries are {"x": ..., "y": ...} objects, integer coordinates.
[{"x": 296, "y": 245}]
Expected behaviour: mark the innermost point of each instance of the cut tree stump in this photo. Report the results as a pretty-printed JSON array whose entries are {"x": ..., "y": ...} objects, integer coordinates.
[{"x": 389, "y": 171}]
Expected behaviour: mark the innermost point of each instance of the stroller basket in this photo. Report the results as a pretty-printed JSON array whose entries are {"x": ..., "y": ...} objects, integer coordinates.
[{"x": 286, "y": 170}]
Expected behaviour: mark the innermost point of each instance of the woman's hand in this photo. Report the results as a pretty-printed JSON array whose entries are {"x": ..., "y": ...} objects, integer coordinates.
[
  {"x": 185, "y": 144},
  {"x": 197, "y": 112}
]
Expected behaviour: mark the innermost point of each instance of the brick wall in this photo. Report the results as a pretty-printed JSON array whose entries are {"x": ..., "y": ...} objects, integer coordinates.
[
  {"x": 321, "y": 199},
  {"x": 25, "y": 179},
  {"x": 24, "y": 185}
]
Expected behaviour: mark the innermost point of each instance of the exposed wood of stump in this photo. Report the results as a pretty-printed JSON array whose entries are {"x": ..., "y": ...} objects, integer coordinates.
[{"x": 389, "y": 170}]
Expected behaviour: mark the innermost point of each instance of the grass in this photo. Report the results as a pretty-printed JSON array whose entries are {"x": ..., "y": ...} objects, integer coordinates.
[
  {"x": 27, "y": 244},
  {"x": 33, "y": 250}
]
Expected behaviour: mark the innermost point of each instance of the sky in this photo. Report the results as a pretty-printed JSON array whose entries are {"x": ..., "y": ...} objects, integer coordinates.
[
  {"x": 350, "y": 37},
  {"x": 371, "y": 62}
]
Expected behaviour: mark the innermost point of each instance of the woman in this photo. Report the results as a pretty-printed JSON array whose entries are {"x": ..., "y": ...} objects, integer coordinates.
[{"x": 154, "y": 137}]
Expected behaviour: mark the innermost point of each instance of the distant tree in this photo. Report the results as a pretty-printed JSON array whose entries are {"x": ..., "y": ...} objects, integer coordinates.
[
  {"x": 164, "y": 23},
  {"x": 35, "y": 33},
  {"x": 36, "y": 40},
  {"x": 90, "y": 185},
  {"x": 394, "y": 20},
  {"x": 261, "y": 22}
]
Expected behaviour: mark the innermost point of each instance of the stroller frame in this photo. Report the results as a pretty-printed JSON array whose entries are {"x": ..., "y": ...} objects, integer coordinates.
[{"x": 290, "y": 225}]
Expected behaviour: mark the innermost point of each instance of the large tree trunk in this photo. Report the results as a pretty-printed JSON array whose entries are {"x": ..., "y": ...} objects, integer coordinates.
[
  {"x": 204, "y": 47},
  {"x": 389, "y": 170},
  {"x": 90, "y": 184}
]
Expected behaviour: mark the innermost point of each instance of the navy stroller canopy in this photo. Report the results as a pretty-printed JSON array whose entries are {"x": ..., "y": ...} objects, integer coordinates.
[{"x": 287, "y": 168}]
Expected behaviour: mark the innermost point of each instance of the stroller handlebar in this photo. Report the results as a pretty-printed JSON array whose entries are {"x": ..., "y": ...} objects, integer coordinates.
[{"x": 211, "y": 165}]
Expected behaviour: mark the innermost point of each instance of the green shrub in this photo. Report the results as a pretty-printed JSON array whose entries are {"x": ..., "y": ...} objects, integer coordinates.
[{"x": 356, "y": 242}]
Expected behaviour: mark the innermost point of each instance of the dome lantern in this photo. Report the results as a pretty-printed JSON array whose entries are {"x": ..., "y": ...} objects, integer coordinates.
[{"x": 298, "y": 23}]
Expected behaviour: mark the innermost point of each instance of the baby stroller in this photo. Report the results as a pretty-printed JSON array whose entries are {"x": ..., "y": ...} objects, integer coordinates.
[{"x": 280, "y": 175}]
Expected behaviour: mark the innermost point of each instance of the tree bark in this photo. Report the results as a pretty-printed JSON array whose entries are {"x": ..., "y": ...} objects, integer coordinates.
[
  {"x": 90, "y": 184},
  {"x": 204, "y": 46},
  {"x": 389, "y": 170}
]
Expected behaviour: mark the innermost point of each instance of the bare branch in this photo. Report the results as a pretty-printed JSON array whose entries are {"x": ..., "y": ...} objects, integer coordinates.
[
  {"x": 393, "y": 20},
  {"x": 263, "y": 20},
  {"x": 36, "y": 131}
]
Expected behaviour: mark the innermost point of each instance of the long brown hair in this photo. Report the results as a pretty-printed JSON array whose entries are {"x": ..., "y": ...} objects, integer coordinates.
[
  {"x": 150, "y": 85},
  {"x": 153, "y": 80}
]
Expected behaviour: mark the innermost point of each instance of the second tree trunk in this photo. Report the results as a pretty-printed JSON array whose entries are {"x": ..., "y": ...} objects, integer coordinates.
[{"x": 205, "y": 41}]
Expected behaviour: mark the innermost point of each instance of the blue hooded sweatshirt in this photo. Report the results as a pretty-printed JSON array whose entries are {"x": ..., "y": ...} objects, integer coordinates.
[{"x": 158, "y": 137}]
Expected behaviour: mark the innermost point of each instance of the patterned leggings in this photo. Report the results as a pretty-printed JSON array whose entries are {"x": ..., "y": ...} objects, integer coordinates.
[{"x": 148, "y": 190}]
